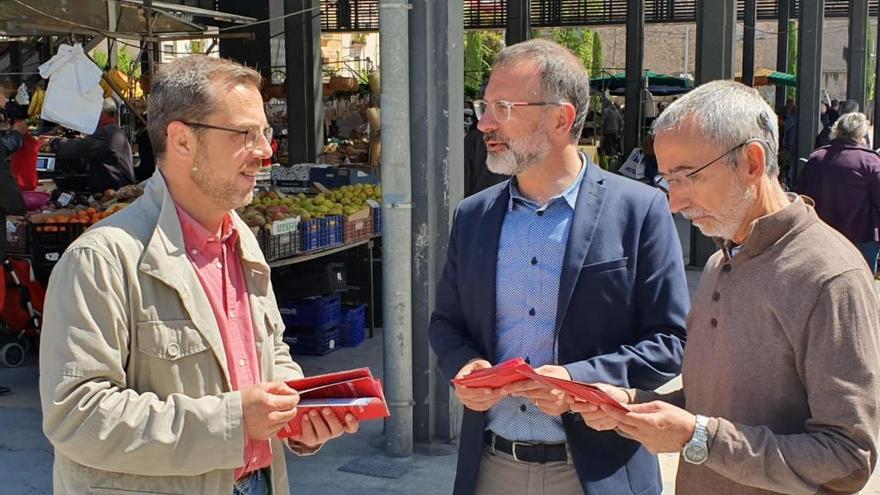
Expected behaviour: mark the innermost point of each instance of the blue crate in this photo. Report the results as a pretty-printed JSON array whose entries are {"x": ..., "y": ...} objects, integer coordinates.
[
  {"x": 318, "y": 312},
  {"x": 377, "y": 220},
  {"x": 334, "y": 230},
  {"x": 311, "y": 234},
  {"x": 318, "y": 343},
  {"x": 352, "y": 329}
]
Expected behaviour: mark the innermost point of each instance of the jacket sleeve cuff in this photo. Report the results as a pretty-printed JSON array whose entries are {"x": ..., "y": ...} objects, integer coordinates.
[
  {"x": 235, "y": 430},
  {"x": 712, "y": 431}
]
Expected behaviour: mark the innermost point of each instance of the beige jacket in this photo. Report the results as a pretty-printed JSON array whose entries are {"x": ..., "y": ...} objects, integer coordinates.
[{"x": 134, "y": 382}]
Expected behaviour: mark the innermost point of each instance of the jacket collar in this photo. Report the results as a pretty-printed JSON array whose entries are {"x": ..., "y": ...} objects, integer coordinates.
[{"x": 769, "y": 230}]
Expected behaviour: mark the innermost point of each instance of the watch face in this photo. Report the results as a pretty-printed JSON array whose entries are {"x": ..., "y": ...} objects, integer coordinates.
[{"x": 696, "y": 453}]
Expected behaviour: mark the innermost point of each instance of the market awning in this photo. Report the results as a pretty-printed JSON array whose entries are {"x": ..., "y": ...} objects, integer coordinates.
[
  {"x": 770, "y": 77},
  {"x": 658, "y": 84},
  {"x": 39, "y": 17},
  {"x": 618, "y": 81}
]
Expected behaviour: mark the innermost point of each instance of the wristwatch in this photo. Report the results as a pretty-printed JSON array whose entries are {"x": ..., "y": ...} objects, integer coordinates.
[{"x": 696, "y": 451}]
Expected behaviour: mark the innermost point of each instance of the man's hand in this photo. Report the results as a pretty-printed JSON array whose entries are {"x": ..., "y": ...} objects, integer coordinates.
[
  {"x": 267, "y": 407},
  {"x": 659, "y": 426},
  {"x": 318, "y": 428},
  {"x": 476, "y": 398},
  {"x": 551, "y": 401},
  {"x": 593, "y": 415}
]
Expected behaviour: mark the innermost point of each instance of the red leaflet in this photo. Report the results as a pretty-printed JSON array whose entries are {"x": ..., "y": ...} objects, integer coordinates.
[{"x": 353, "y": 392}]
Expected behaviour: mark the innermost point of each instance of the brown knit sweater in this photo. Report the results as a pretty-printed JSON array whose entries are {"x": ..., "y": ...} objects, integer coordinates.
[{"x": 783, "y": 353}]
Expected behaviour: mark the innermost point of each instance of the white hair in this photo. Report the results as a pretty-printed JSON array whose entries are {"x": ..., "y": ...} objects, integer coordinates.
[
  {"x": 852, "y": 126},
  {"x": 729, "y": 113}
]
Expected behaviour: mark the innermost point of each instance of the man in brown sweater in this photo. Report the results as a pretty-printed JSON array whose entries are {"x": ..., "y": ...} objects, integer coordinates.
[{"x": 781, "y": 370}]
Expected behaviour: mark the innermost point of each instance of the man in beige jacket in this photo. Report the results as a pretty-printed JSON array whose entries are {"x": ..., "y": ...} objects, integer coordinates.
[
  {"x": 162, "y": 362},
  {"x": 781, "y": 370}
]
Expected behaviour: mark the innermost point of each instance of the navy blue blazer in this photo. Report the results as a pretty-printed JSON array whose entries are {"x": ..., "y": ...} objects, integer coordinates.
[{"x": 623, "y": 300}]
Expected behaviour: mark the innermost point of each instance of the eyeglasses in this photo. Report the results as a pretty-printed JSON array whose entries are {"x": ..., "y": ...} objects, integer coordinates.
[
  {"x": 686, "y": 181},
  {"x": 501, "y": 108},
  {"x": 251, "y": 135}
]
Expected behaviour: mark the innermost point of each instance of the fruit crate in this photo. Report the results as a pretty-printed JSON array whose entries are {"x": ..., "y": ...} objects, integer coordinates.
[
  {"x": 321, "y": 233},
  {"x": 377, "y": 220},
  {"x": 283, "y": 245},
  {"x": 359, "y": 228},
  {"x": 318, "y": 312},
  {"x": 46, "y": 243},
  {"x": 353, "y": 327},
  {"x": 317, "y": 342}
]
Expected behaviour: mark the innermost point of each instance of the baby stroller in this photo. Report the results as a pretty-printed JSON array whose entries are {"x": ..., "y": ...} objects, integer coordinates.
[{"x": 21, "y": 305}]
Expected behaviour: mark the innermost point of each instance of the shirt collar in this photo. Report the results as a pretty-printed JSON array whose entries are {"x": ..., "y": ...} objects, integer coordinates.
[
  {"x": 196, "y": 236},
  {"x": 768, "y": 230},
  {"x": 570, "y": 194}
]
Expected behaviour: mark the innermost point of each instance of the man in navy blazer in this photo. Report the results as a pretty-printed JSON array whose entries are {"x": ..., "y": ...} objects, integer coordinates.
[{"x": 577, "y": 270}]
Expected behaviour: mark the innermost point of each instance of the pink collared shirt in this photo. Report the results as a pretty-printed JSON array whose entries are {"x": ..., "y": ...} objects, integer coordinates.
[{"x": 218, "y": 267}]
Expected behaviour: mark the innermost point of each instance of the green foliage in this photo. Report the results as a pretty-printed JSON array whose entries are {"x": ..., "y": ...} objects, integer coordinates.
[
  {"x": 869, "y": 67},
  {"x": 480, "y": 48},
  {"x": 100, "y": 57},
  {"x": 128, "y": 64},
  {"x": 578, "y": 40},
  {"x": 598, "y": 56},
  {"x": 197, "y": 46}
]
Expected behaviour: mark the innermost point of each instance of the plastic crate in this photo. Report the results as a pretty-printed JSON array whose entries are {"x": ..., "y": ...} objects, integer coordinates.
[
  {"x": 377, "y": 220},
  {"x": 318, "y": 342},
  {"x": 47, "y": 241},
  {"x": 318, "y": 312},
  {"x": 284, "y": 245},
  {"x": 310, "y": 234},
  {"x": 334, "y": 230},
  {"x": 314, "y": 279},
  {"x": 358, "y": 229},
  {"x": 353, "y": 327}
]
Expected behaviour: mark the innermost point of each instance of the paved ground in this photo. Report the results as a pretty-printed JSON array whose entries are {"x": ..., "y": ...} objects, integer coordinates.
[{"x": 26, "y": 455}]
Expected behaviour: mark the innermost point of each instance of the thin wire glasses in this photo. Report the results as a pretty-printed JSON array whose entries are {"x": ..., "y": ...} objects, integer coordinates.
[
  {"x": 251, "y": 135},
  {"x": 686, "y": 180}
]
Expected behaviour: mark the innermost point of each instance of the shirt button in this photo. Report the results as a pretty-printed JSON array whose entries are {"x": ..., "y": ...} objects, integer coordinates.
[
  {"x": 716, "y": 296},
  {"x": 532, "y": 312},
  {"x": 534, "y": 261},
  {"x": 219, "y": 265},
  {"x": 194, "y": 252},
  {"x": 255, "y": 459},
  {"x": 540, "y": 213},
  {"x": 725, "y": 268},
  {"x": 713, "y": 322},
  {"x": 232, "y": 314},
  {"x": 241, "y": 362},
  {"x": 522, "y": 408},
  {"x": 172, "y": 350}
]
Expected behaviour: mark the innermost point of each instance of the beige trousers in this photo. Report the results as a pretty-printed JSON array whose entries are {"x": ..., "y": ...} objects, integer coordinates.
[{"x": 500, "y": 474}]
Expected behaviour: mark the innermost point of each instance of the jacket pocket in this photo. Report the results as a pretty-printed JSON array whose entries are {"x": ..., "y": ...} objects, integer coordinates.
[
  {"x": 603, "y": 266},
  {"x": 170, "y": 340}
]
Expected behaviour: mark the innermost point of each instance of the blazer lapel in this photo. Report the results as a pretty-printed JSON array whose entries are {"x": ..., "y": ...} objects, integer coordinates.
[
  {"x": 587, "y": 211},
  {"x": 487, "y": 264}
]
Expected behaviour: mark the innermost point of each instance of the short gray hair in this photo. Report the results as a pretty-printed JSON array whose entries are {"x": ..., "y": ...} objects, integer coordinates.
[
  {"x": 184, "y": 90},
  {"x": 109, "y": 107},
  {"x": 729, "y": 113},
  {"x": 563, "y": 76},
  {"x": 852, "y": 126}
]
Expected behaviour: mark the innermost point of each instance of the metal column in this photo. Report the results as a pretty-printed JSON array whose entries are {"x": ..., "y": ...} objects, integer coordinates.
[
  {"x": 857, "y": 59},
  {"x": 782, "y": 50},
  {"x": 254, "y": 53},
  {"x": 518, "y": 25},
  {"x": 436, "y": 92},
  {"x": 305, "y": 110},
  {"x": 635, "y": 49},
  {"x": 716, "y": 23},
  {"x": 748, "y": 58},
  {"x": 809, "y": 78},
  {"x": 397, "y": 219}
]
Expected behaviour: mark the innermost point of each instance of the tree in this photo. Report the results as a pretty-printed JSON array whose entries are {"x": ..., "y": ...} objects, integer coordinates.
[
  {"x": 197, "y": 46},
  {"x": 579, "y": 41},
  {"x": 792, "y": 55},
  {"x": 480, "y": 48},
  {"x": 128, "y": 64},
  {"x": 598, "y": 56},
  {"x": 869, "y": 66}
]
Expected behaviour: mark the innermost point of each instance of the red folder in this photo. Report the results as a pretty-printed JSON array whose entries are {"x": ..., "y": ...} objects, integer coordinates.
[
  {"x": 353, "y": 392},
  {"x": 516, "y": 370}
]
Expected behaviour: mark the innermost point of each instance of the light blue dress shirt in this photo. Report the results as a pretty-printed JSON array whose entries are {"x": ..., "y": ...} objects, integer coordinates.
[{"x": 531, "y": 252}]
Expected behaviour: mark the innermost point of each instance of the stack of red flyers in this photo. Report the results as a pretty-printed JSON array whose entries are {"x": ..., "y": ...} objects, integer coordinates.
[
  {"x": 353, "y": 392},
  {"x": 516, "y": 370}
]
